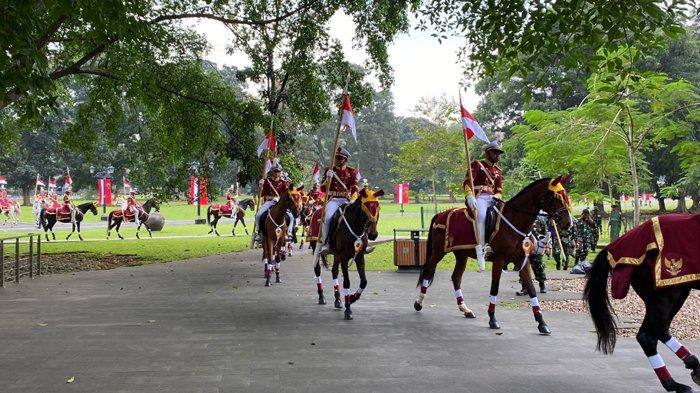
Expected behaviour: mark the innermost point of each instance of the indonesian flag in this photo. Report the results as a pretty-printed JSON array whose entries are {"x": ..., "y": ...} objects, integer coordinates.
[
  {"x": 40, "y": 181},
  {"x": 269, "y": 143},
  {"x": 193, "y": 191},
  {"x": 52, "y": 182},
  {"x": 347, "y": 119},
  {"x": 125, "y": 183},
  {"x": 471, "y": 126},
  {"x": 67, "y": 181},
  {"x": 358, "y": 175},
  {"x": 3, "y": 180},
  {"x": 317, "y": 172}
]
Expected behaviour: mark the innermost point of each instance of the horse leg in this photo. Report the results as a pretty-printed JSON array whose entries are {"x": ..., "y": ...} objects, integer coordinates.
[
  {"x": 526, "y": 278},
  {"x": 460, "y": 266},
  {"x": 79, "y": 235},
  {"x": 277, "y": 266},
  {"x": 360, "y": 264},
  {"x": 71, "y": 232},
  {"x": 138, "y": 229},
  {"x": 119, "y": 225},
  {"x": 244, "y": 226},
  {"x": 212, "y": 225},
  {"x": 496, "y": 270},
  {"x": 319, "y": 284},
  {"x": 336, "y": 286},
  {"x": 150, "y": 233},
  {"x": 689, "y": 359},
  {"x": 435, "y": 255},
  {"x": 267, "y": 258},
  {"x": 343, "y": 260}
]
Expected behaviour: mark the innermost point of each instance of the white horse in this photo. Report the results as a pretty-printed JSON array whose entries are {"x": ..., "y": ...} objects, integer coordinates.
[{"x": 11, "y": 211}]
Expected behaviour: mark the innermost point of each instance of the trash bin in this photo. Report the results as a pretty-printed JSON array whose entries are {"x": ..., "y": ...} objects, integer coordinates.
[{"x": 409, "y": 254}]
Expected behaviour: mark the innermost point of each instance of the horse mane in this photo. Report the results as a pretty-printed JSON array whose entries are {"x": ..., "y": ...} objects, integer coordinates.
[{"x": 529, "y": 187}]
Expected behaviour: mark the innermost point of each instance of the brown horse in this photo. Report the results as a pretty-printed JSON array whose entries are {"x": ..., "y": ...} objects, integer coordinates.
[
  {"x": 355, "y": 226},
  {"x": 518, "y": 217},
  {"x": 275, "y": 231},
  {"x": 661, "y": 303},
  {"x": 217, "y": 210}
]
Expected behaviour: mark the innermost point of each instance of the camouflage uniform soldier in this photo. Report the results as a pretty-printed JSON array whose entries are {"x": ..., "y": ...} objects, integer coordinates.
[
  {"x": 598, "y": 220},
  {"x": 567, "y": 242},
  {"x": 615, "y": 223},
  {"x": 584, "y": 233},
  {"x": 543, "y": 245}
]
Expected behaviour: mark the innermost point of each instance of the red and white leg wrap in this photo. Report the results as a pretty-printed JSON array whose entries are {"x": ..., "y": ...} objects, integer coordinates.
[
  {"x": 336, "y": 286},
  {"x": 492, "y": 303},
  {"x": 346, "y": 294},
  {"x": 657, "y": 363},
  {"x": 319, "y": 283},
  {"x": 422, "y": 291},
  {"x": 277, "y": 267},
  {"x": 535, "y": 304},
  {"x": 674, "y": 345},
  {"x": 459, "y": 296}
]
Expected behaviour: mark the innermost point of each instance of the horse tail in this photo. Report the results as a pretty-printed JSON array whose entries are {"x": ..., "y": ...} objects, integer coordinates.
[
  {"x": 209, "y": 215},
  {"x": 428, "y": 253},
  {"x": 109, "y": 220},
  {"x": 596, "y": 295}
]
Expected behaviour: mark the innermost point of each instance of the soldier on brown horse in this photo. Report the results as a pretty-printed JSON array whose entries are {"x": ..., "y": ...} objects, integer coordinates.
[
  {"x": 660, "y": 260},
  {"x": 452, "y": 231},
  {"x": 49, "y": 216},
  {"x": 228, "y": 210}
]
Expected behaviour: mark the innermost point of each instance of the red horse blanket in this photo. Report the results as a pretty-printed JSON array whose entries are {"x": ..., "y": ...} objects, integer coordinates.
[
  {"x": 676, "y": 241},
  {"x": 458, "y": 224},
  {"x": 223, "y": 208}
]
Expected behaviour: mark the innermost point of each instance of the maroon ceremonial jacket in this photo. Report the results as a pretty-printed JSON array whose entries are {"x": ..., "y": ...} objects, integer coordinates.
[
  {"x": 487, "y": 178},
  {"x": 273, "y": 189},
  {"x": 347, "y": 185}
]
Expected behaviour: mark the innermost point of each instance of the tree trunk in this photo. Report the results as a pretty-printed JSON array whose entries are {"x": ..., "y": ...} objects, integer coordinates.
[
  {"x": 26, "y": 196},
  {"x": 434, "y": 195},
  {"x": 681, "y": 208},
  {"x": 600, "y": 205},
  {"x": 662, "y": 200},
  {"x": 635, "y": 180},
  {"x": 696, "y": 202}
]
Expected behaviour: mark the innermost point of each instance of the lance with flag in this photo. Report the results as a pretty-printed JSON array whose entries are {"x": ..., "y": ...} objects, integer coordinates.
[
  {"x": 471, "y": 128},
  {"x": 269, "y": 146}
]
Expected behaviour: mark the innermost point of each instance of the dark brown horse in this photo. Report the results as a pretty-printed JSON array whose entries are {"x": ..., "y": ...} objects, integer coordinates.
[
  {"x": 49, "y": 218},
  {"x": 117, "y": 217},
  {"x": 661, "y": 304},
  {"x": 507, "y": 244},
  {"x": 217, "y": 210},
  {"x": 356, "y": 225},
  {"x": 275, "y": 231}
]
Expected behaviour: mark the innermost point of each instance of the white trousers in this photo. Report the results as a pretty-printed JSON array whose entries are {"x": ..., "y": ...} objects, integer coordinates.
[
  {"x": 265, "y": 207},
  {"x": 331, "y": 207},
  {"x": 483, "y": 202}
]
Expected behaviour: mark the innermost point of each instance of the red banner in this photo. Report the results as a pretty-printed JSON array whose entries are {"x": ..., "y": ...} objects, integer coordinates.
[
  {"x": 198, "y": 188},
  {"x": 401, "y": 193},
  {"x": 104, "y": 191},
  {"x": 192, "y": 190},
  {"x": 203, "y": 196}
]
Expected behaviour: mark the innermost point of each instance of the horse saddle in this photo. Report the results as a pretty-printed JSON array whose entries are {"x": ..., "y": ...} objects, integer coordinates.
[
  {"x": 127, "y": 216},
  {"x": 224, "y": 209},
  {"x": 335, "y": 224}
]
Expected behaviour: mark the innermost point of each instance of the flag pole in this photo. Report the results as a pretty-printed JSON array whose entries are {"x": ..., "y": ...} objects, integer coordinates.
[
  {"x": 332, "y": 165},
  {"x": 562, "y": 254},
  {"x": 260, "y": 187},
  {"x": 475, "y": 222}
]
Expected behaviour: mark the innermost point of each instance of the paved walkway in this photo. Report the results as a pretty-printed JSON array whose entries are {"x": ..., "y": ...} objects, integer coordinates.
[{"x": 208, "y": 325}]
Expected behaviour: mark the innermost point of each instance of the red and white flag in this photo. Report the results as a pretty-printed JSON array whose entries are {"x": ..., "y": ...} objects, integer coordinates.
[
  {"x": 40, "y": 181},
  {"x": 125, "y": 183},
  {"x": 317, "y": 172},
  {"x": 52, "y": 182},
  {"x": 471, "y": 126},
  {"x": 358, "y": 175},
  {"x": 269, "y": 143},
  {"x": 3, "y": 180},
  {"x": 268, "y": 166},
  {"x": 347, "y": 119}
]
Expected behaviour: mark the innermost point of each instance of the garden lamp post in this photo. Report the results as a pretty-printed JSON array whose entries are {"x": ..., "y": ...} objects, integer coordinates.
[{"x": 194, "y": 168}]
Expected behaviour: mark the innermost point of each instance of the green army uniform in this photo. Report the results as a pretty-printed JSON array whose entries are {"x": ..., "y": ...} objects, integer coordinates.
[
  {"x": 615, "y": 224},
  {"x": 541, "y": 233},
  {"x": 598, "y": 220},
  {"x": 584, "y": 234},
  {"x": 566, "y": 242}
]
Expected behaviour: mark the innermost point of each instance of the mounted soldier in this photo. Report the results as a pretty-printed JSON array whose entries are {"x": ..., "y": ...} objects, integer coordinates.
[
  {"x": 231, "y": 200},
  {"x": 68, "y": 205},
  {"x": 133, "y": 207},
  {"x": 488, "y": 183},
  {"x": 273, "y": 186},
  {"x": 343, "y": 184},
  {"x": 315, "y": 195}
]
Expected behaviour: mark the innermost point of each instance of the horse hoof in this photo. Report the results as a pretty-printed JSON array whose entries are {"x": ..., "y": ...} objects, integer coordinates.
[
  {"x": 544, "y": 329},
  {"x": 337, "y": 304},
  {"x": 67, "y": 237},
  {"x": 321, "y": 300},
  {"x": 348, "y": 315},
  {"x": 417, "y": 306},
  {"x": 121, "y": 237},
  {"x": 470, "y": 315},
  {"x": 493, "y": 324},
  {"x": 278, "y": 281},
  {"x": 267, "y": 282},
  {"x": 81, "y": 238},
  {"x": 695, "y": 374}
]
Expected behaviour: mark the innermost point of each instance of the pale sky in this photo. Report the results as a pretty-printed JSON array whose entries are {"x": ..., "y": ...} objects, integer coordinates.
[{"x": 422, "y": 66}]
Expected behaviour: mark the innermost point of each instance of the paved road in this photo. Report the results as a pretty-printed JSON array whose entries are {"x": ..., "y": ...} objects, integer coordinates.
[{"x": 208, "y": 325}]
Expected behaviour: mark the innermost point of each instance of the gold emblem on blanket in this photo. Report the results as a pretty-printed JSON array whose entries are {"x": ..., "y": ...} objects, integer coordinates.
[{"x": 674, "y": 266}]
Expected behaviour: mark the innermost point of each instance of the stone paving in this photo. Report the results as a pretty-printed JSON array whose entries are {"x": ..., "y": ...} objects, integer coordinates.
[{"x": 209, "y": 325}]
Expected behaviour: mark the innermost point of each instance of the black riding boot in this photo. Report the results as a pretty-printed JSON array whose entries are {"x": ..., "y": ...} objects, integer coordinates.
[{"x": 543, "y": 288}]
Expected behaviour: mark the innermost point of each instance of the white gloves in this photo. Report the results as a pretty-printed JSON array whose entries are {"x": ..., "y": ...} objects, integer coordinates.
[
  {"x": 261, "y": 182},
  {"x": 471, "y": 202},
  {"x": 329, "y": 173}
]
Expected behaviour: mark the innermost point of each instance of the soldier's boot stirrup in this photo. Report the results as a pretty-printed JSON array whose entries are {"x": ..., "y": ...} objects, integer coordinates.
[{"x": 481, "y": 260}]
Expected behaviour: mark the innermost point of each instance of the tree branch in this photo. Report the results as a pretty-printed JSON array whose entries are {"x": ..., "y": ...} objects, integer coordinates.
[
  {"x": 75, "y": 67},
  {"x": 204, "y": 15},
  {"x": 50, "y": 31}
]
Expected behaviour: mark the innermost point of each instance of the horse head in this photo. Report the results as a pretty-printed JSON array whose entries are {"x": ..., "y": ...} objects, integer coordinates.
[
  {"x": 294, "y": 194},
  {"x": 369, "y": 201},
  {"x": 151, "y": 203},
  {"x": 557, "y": 203},
  {"x": 93, "y": 208}
]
